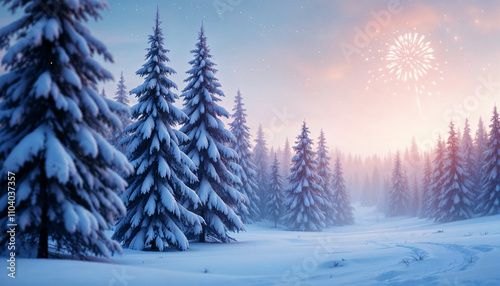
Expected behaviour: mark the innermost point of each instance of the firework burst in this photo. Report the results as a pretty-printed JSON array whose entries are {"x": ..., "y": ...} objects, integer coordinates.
[
  {"x": 410, "y": 57},
  {"x": 407, "y": 61}
]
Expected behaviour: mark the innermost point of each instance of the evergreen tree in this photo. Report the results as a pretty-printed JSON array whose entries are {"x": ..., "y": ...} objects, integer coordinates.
[
  {"x": 260, "y": 158},
  {"x": 304, "y": 200},
  {"x": 456, "y": 197},
  {"x": 480, "y": 146},
  {"x": 325, "y": 174},
  {"x": 275, "y": 199},
  {"x": 248, "y": 210},
  {"x": 118, "y": 135},
  {"x": 341, "y": 202},
  {"x": 436, "y": 183},
  {"x": 425, "y": 202},
  {"x": 53, "y": 125},
  {"x": 157, "y": 194},
  {"x": 398, "y": 201},
  {"x": 415, "y": 196},
  {"x": 469, "y": 155},
  {"x": 286, "y": 159},
  {"x": 490, "y": 183},
  {"x": 208, "y": 148},
  {"x": 121, "y": 92}
]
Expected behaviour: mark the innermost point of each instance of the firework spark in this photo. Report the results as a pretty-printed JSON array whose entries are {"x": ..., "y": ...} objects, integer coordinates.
[{"x": 410, "y": 57}]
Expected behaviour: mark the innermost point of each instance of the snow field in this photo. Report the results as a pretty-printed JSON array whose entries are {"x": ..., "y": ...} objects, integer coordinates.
[{"x": 370, "y": 252}]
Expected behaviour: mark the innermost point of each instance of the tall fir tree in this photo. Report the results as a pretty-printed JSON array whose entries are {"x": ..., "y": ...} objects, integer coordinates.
[
  {"x": 480, "y": 146},
  {"x": 325, "y": 175},
  {"x": 398, "y": 197},
  {"x": 436, "y": 183},
  {"x": 260, "y": 159},
  {"x": 469, "y": 155},
  {"x": 341, "y": 201},
  {"x": 274, "y": 202},
  {"x": 249, "y": 209},
  {"x": 157, "y": 195},
  {"x": 209, "y": 149},
  {"x": 304, "y": 201},
  {"x": 426, "y": 192},
  {"x": 286, "y": 160},
  {"x": 455, "y": 197},
  {"x": 489, "y": 200},
  {"x": 53, "y": 122},
  {"x": 118, "y": 135}
]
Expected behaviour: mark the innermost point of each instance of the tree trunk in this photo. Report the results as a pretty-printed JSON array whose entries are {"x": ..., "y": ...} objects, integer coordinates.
[
  {"x": 203, "y": 226},
  {"x": 43, "y": 240}
]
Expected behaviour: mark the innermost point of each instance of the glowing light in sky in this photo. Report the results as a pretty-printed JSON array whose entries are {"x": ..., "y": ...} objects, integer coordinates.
[
  {"x": 410, "y": 57},
  {"x": 408, "y": 60}
]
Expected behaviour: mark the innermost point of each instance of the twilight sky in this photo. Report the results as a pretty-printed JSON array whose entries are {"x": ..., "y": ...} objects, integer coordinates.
[{"x": 325, "y": 62}]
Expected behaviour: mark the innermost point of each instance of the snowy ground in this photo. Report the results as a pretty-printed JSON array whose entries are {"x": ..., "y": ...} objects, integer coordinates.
[{"x": 368, "y": 253}]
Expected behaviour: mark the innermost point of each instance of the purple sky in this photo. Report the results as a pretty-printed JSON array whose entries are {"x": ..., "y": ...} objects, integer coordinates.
[{"x": 323, "y": 61}]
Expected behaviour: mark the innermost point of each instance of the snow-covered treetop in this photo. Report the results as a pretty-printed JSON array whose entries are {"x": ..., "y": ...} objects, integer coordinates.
[
  {"x": 238, "y": 127},
  {"x": 121, "y": 93}
]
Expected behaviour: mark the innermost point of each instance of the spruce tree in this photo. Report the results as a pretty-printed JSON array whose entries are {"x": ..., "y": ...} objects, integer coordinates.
[
  {"x": 455, "y": 197},
  {"x": 341, "y": 201},
  {"x": 469, "y": 155},
  {"x": 118, "y": 135},
  {"x": 304, "y": 199},
  {"x": 398, "y": 200},
  {"x": 325, "y": 174},
  {"x": 480, "y": 146},
  {"x": 260, "y": 158},
  {"x": 436, "y": 183},
  {"x": 274, "y": 205},
  {"x": 425, "y": 201},
  {"x": 157, "y": 195},
  {"x": 53, "y": 130},
  {"x": 490, "y": 184},
  {"x": 209, "y": 149},
  {"x": 286, "y": 160},
  {"x": 249, "y": 210}
]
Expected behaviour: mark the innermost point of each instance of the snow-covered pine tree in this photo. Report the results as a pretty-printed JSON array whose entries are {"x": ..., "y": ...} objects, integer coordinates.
[
  {"x": 415, "y": 196},
  {"x": 260, "y": 159},
  {"x": 341, "y": 201},
  {"x": 426, "y": 193},
  {"x": 398, "y": 197},
  {"x": 286, "y": 160},
  {"x": 469, "y": 156},
  {"x": 490, "y": 183},
  {"x": 325, "y": 174},
  {"x": 121, "y": 93},
  {"x": 118, "y": 135},
  {"x": 480, "y": 146},
  {"x": 157, "y": 195},
  {"x": 304, "y": 201},
  {"x": 249, "y": 210},
  {"x": 53, "y": 125},
  {"x": 209, "y": 149},
  {"x": 456, "y": 197},
  {"x": 274, "y": 204},
  {"x": 436, "y": 183}
]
